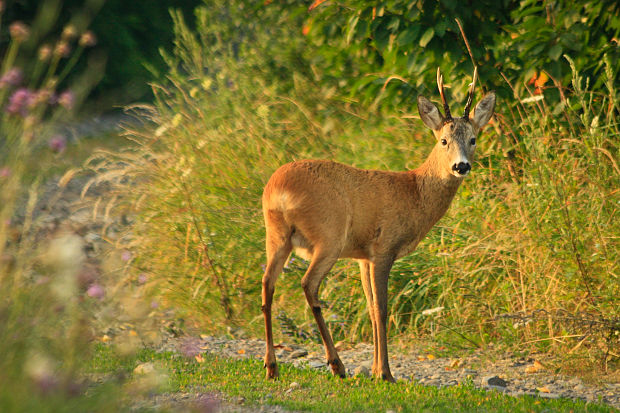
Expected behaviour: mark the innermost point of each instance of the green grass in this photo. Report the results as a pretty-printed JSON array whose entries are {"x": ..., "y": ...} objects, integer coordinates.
[{"x": 319, "y": 391}]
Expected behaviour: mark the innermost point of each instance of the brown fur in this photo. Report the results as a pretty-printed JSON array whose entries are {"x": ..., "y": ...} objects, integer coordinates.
[{"x": 326, "y": 210}]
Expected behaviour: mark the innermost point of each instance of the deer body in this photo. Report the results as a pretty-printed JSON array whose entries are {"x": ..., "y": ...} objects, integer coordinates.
[{"x": 326, "y": 210}]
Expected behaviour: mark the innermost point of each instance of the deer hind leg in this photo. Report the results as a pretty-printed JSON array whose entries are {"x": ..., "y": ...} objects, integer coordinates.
[
  {"x": 379, "y": 272},
  {"x": 278, "y": 244},
  {"x": 370, "y": 302},
  {"x": 321, "y": 263}
]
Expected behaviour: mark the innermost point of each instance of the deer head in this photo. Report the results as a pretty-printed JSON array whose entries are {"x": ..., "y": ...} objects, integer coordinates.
[{"x": 456, "y": 137}]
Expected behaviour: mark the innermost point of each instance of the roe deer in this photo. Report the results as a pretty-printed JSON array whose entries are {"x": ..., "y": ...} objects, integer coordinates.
[{"x": 326, "y": 210}]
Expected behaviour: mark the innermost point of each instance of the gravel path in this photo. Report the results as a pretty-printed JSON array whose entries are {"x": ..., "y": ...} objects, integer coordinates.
[{"x": 509, "y": 375}]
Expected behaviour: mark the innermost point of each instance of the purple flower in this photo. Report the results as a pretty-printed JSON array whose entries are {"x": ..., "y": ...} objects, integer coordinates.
[
  {"x": 5, "y": 172},
  {"x": 142, "y": 278},
  {"x": 19, "y": 102},
  {"x": 126, "y": 256},
  {"x": 12, "y": 77},
  {"x": 154, "y": 304},
  {"x": 66, "y": 99},
  {"x": 57, "y": 143},
  {"x": 95, "y": 291}
]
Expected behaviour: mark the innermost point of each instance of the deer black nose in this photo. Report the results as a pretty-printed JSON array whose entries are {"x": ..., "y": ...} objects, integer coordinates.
[{"x": 462, "y": 167}]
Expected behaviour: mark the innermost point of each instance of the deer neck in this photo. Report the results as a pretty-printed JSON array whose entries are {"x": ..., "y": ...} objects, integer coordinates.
[{"x": 435, "y": 186}]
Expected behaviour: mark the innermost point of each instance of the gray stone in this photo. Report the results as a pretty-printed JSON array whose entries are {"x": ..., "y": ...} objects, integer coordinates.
[
  {"x": 494, "y": 381},
  {"x": 316, "y": 364},
  {"x": 361, "y": 371},
  {"x": 549, "y": 395},
  {"x": 298, "y": 353}
]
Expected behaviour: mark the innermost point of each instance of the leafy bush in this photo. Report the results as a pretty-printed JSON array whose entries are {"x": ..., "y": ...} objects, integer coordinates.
[{"x": 388, "y": 51}]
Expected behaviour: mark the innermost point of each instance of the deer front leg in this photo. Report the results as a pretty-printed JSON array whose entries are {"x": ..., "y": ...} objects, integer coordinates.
[
  {"x": 367, "y": 286},
  {"x": 379, "y": 272}
]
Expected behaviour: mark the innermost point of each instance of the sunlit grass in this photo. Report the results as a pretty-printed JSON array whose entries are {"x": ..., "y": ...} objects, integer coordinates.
[{"x": 312, "y": 390}]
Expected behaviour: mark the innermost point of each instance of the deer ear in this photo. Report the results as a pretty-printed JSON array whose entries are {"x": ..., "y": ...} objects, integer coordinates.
[
  {"x": 483, "y": 111},
  {"x": 429, "y": 113}
]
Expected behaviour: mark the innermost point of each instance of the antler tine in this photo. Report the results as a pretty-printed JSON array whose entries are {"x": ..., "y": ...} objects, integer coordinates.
[
  {"x": 470, "y": 98},
  {"x": 443, "y": 94}
]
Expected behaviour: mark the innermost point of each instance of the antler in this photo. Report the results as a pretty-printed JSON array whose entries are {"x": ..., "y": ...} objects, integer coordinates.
[
  {"x": 470, "y": 98},
  {"x": 443, "y": 94}
]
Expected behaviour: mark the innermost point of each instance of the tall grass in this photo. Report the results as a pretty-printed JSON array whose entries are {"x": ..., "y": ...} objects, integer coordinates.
[{"x": 534, "y": 228}]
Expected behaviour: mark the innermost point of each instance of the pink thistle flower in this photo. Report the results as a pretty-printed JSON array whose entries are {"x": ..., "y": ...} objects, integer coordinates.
[
  {"x": 95, "y": 291},
  {"x": 126, "y": 256},
  {"x": 20, "y": 101},
  {"x": 12, "y": 77},
  {"x": 57, "y": 143},
  {"x": 66, "y": 99},
  {"x": 5, "y": 172},
  {"x": 142, "y": 278}
]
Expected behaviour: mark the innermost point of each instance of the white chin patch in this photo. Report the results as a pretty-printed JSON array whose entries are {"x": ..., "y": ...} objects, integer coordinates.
[{"x": 458, "y": 175}]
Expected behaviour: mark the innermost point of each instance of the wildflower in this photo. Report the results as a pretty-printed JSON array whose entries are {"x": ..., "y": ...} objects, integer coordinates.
[
  {"x": 5, "y": 172},
  {"x": 12, "y": 77},
  {"x": 69, "y": 32},
  {"x": 142, "y": 278},
  {"x": 66, "y": 99},
  {"x": 95, "y": 291},
  {"x": 19, "y": 31},
  {"x": 88, "y": 39},
  {"x": 62, "y": 49},
  {"x": 45, "y": 52},
  {"x": 126, "y": 256},
  {"x": 20, "y": 101},
  {"x": 154, "y": 304},
  {"x": 57, "y": 143}
]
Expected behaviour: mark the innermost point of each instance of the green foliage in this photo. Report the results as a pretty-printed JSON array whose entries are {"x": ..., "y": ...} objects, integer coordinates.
[
  {"x": 388, "y": 51},
  {"x": 130, "y": 36}
]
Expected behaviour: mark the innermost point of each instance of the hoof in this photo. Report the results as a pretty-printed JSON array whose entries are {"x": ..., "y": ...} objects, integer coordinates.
[
  {"x": 337, "y": 368},
  {"x": 272, "y": 371},
  {"x": 387, "y": 377}
]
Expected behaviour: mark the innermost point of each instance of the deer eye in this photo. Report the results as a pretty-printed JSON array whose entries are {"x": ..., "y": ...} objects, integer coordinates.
[
  {"x": 444, "y": 142},
  {"x": 473, "y": 141}
]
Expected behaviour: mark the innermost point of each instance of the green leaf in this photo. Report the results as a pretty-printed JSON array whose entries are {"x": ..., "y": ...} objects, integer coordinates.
[
  {"x": 351, "y": 28},
  {"x": 427, "y": 36},
  {"x": 408, "y": 36},
  {"x": 555, "y": 52}
]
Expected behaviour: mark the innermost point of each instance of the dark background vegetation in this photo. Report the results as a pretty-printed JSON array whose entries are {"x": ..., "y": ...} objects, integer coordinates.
[{"x": 129, "y": 34}]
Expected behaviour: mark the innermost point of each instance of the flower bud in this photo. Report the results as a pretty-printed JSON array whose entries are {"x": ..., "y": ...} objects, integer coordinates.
[
  {"x": 19, "y": 31},
  {"x": 62, "y": 49},
  {"x": 45, "y": 52},
  {"x": 69, "y": 32},
  {"x": 88, "y": 39}
]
